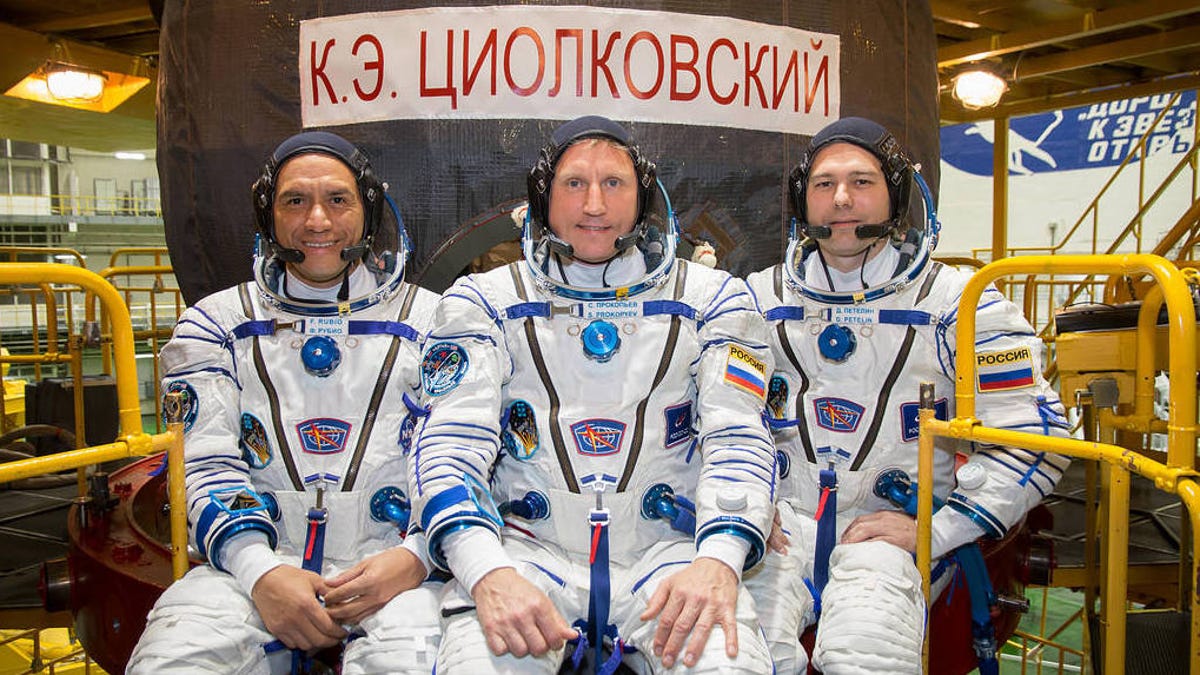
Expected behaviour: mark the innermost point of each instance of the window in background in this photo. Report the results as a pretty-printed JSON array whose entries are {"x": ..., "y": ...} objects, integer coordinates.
[
  {"x": 25, "y": 150},
  {"x": 106, "y": 195},
  {"x": 26, "y": 179}
]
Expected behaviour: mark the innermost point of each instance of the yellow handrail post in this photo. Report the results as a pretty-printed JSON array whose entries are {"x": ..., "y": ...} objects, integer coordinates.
[
  {"x": 1177, "y": 476},
  {"x": 1116, "y": 586},
  {"x": 133, "y": 441},
  {"x": 128, "y": 411},
  {"x": 925, "y": 449},
  {"x": 1189, "y": 494},
  {"x": 1085, "y": 401},
  {"x": 1181, "y": 426},
  {"x": 176, "y": 491}
]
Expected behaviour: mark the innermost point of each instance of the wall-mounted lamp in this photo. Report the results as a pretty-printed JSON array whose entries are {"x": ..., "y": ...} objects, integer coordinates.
[
  {"x": 978, "y": 86},
  {"x": 73, "y": 83},
  {"x": 60, "y": 80},
  {"x": 95, "y": 90}
]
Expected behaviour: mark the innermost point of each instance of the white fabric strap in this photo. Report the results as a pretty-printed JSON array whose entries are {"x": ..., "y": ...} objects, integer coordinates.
[
  {"x": 248, "y": 557},
  {"x": 728, "y": 549},
  {"x": 473, "y": 552}
]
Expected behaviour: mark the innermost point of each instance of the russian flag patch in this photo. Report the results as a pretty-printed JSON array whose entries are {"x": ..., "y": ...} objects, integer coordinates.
[
  {"x": 1004, "y": 370},
  {"x": 744, "y": 371}
]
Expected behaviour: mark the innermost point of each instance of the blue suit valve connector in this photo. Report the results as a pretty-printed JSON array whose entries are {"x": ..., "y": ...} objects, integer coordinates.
[
  {"x": 533, "y": 506},
  {"x": 320, "y": 355},
  {"x": 601, "y": 340},
  {"x": 836, "y": 343},
  {"x": 389, "y": 505},
  {"x": 660, "y": 501}
]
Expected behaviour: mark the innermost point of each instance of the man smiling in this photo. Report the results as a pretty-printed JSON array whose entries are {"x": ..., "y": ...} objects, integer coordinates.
[
  {"x": 295, "y": 387},
  {"x": 608, "y": 397}
]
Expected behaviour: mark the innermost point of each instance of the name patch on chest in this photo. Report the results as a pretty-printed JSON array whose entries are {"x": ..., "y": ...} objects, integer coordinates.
[
  {"x": 323, "y": 435},
  {"x": 1004, "y": 370},
  {"x": 598, "y": 437},
  {"x": 611, "y": 309},
  {"x": 744, "y": 371},
  {"x": 838, "y": 414},
  {"x": 326, "y": 325}
]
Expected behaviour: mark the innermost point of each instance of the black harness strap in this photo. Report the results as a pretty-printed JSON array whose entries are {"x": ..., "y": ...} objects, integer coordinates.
[
  {"x": 801, "y": 422},
  {"x": 664, "y": 364},
  {"x": 260, "y": 366},
  {"x": 539, "y": 361},
  {"x": 381, "y": 381},
  {"x": 885, "y": 392}
]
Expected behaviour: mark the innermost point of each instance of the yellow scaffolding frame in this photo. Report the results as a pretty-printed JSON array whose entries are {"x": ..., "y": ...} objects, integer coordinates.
[
  {"x": 1177, "y": 476},
  {"x": 133, "y": 441},
  {"x": 153, "y": 333}
]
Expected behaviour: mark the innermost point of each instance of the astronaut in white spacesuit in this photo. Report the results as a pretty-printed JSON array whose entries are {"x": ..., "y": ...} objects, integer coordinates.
[
  {"x": 296, "y": 430},
  {"x": 595, "y": 404},
  {"x": 859, "y": 315}
]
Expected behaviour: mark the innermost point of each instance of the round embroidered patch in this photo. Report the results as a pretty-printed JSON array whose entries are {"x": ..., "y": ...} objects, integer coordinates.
[
  {"x": 407, "y": 427},
  {"x": 444, "y": 366},
  {"x": 784, "y": 463},
  {"x": 191, "y": 403},
  {"x": 256, "y": 449}
]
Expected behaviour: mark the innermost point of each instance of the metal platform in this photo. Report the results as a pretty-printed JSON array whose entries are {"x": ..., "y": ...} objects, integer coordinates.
[{"x": 1153, "y": 534}]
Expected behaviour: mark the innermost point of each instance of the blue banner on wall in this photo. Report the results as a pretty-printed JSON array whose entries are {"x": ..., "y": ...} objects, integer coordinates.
[{"x": 1087, "y": 137}]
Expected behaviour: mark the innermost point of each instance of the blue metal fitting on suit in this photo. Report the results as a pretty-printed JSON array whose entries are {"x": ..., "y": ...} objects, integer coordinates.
[
  {"x": 836, "y": 343},
  {"x": 601, "y": 340},
  {"x": 320, "y": 355}
]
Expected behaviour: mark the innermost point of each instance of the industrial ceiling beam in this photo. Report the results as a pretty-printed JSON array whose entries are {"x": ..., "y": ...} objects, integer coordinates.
[
  {"x": 93, "y": 20},
  {"x": 1122, "y": 50},
  {"x": 1085, "y": 25}
]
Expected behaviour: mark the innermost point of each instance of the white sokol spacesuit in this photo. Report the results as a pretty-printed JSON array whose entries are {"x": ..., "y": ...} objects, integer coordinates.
[
  {"x": 594, "y": 412},
  {"x": 293, "y": 406},
  {"x": 845, "y": 397}
]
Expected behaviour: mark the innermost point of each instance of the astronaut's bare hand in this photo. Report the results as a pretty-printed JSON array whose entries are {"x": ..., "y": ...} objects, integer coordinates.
[
  {"x": 777, "y": 541},
  {"x": 517, "y": 617},
  {"x": 897, "y": 529},
  {"x": 286, "y": 599},
  {"x": 361, "y": 590},
  {"x": 692, "y": 601}
]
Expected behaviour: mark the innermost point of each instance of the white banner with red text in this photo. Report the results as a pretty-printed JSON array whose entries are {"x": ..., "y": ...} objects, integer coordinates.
[{"x": 518, "y": 62}]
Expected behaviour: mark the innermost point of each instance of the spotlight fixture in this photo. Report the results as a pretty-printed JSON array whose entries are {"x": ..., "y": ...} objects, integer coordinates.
[
  {"x": 72, "y": 83},
  {"x": 979, "y": 86},
  {"x": 98, "y": 89}
]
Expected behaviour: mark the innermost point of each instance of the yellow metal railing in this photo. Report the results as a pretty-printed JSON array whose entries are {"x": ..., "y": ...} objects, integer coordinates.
[
  {"x": 150, "y": 292},
  {"x": 1176, "y": 476},
  {"x": 1138, "y": 153},
  {"x": 161, "y": 255},
  {"x": 57, "y": 349},
  {"x": 157, "y": 280},
  {"x": 80, "y": 205},
  {"x": 133, "y": 441}
]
